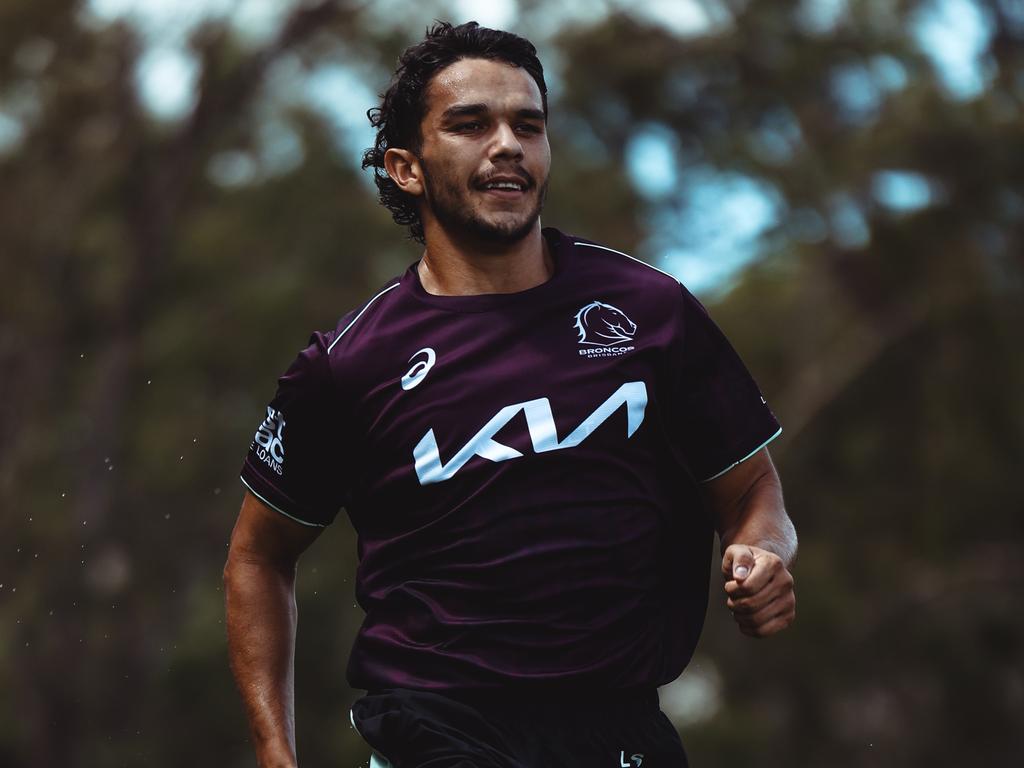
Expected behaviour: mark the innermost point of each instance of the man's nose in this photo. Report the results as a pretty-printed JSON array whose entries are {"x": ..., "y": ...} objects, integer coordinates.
[{"x": 506, "y": 143}]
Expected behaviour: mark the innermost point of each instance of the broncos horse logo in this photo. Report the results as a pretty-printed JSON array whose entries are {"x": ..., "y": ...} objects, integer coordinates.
[{"x": 603, "y": 325}]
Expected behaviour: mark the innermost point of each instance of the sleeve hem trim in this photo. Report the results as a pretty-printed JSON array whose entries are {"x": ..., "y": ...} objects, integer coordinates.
[
  {"x": 276, "y": 508},
  {"x": 762, "y": 445}
]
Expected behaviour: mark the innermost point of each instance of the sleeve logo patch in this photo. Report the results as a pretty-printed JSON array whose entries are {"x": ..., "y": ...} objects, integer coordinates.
[
  {"x": 268, "y": 443},
  {"x": 604, "y": 330}
]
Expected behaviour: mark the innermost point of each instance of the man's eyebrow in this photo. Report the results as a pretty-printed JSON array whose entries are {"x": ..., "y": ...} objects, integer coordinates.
[
  {"x": 531, "y": 114},
  {"x": 464, "y": 110},
  {"x": 461, "y": 110}
]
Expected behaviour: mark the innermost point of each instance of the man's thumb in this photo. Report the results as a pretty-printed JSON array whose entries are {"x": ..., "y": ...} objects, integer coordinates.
[{"x": 739, "y": 560}]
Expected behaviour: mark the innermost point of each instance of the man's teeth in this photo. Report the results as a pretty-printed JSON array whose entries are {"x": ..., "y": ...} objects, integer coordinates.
[{"x": 505, "y": 185}]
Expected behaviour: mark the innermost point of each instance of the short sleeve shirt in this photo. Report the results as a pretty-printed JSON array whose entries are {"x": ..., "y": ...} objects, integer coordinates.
[{"x": 522, "y": 472}]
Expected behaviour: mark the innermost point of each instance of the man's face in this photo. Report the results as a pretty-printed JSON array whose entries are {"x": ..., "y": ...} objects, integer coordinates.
[{"x": 485, "y": 155}]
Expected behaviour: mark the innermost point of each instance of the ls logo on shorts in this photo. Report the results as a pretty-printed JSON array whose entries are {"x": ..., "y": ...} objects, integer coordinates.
[{"x": 635, "y": 761}]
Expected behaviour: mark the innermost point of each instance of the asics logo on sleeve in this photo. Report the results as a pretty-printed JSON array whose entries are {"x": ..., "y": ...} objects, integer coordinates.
[
  {"x": 543, "y": 433},
  {"x": 420, "y": 370}
]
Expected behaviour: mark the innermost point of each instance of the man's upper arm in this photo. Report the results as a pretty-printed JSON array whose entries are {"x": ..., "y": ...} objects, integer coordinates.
[
  {"x": 727, "y": 493},
  {"x": 263, "y": 535}
]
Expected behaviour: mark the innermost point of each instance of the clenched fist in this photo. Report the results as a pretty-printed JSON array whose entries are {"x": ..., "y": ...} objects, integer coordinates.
[{"x": 759, "y": 589}]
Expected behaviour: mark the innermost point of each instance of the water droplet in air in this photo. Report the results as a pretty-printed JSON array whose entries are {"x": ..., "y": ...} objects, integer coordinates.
[
  {"x": 150, "y": 381},
  {"x": 167, "y": 516}
]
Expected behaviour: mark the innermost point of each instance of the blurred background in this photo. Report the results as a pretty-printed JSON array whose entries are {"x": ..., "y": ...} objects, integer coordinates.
[{"x": 841, "y": 181}]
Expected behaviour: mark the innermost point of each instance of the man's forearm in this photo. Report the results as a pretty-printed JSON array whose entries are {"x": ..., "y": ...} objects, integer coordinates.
[
  {"x": 762, "y": 522},
  {"x": 758, "y": 546},
  {"x": 261, "y": 620}
]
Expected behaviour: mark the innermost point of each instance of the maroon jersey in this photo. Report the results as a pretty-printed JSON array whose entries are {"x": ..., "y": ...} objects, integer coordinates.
[{"x": 521, "y": 470}]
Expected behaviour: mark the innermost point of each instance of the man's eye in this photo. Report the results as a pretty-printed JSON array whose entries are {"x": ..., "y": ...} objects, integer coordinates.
[
  {"x": 529, "y": 128},
  {"x": 469, "y": 126}
]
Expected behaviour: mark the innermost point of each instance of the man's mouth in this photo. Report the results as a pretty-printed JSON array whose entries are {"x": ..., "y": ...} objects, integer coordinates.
[{"x": 505, "y": 186}]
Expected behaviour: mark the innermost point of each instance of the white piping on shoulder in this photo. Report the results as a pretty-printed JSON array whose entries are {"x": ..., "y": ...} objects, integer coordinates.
[
  {"x": 638, "y": 261},
  {"x": 368, "y": 305},
  {"x": 762, "y": 445}
]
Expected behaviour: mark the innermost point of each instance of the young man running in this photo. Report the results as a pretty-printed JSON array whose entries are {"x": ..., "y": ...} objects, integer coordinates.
[{"x": 534, "y": 436}]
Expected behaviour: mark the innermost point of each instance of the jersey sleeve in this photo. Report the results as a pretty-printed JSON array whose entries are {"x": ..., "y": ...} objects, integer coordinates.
[
  {"x": 296, "y": 462},
  {"x": 721, "y": 416}
]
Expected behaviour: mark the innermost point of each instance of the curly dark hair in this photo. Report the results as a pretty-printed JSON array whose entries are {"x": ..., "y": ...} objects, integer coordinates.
[{"x": 403, "y": 105}]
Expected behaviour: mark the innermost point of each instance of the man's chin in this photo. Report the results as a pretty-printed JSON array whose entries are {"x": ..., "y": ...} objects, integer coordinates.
[
  {"x": 505, "y": 226},
  {"x": 506, "y": 232},
  {"x": 487, "y": 225}
]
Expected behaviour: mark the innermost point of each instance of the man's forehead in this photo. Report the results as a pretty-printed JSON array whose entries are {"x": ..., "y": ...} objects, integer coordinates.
[{"x": 496, "y": 84}]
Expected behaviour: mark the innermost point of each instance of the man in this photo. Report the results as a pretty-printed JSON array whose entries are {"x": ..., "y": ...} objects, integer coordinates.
[{"x": 534, "y": 437}]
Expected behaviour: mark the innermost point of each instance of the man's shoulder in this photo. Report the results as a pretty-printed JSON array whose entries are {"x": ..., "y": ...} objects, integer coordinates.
[
  {"x": 608, "y": 263},
  {"x": 360, "y": 322}
]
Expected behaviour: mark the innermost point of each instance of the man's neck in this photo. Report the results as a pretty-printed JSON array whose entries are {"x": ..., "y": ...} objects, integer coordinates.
[{"x": 452, "y": 267}]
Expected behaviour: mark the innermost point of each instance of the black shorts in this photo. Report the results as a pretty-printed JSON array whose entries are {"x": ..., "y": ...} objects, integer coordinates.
[{"x": 417, "y": 729}]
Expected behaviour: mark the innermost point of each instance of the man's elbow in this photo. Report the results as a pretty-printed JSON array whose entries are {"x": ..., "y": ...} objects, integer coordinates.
[{"x": 791, "y": 538}]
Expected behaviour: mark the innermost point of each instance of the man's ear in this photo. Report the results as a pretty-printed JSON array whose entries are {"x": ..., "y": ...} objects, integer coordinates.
[{"x": 404, "y": 169}]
